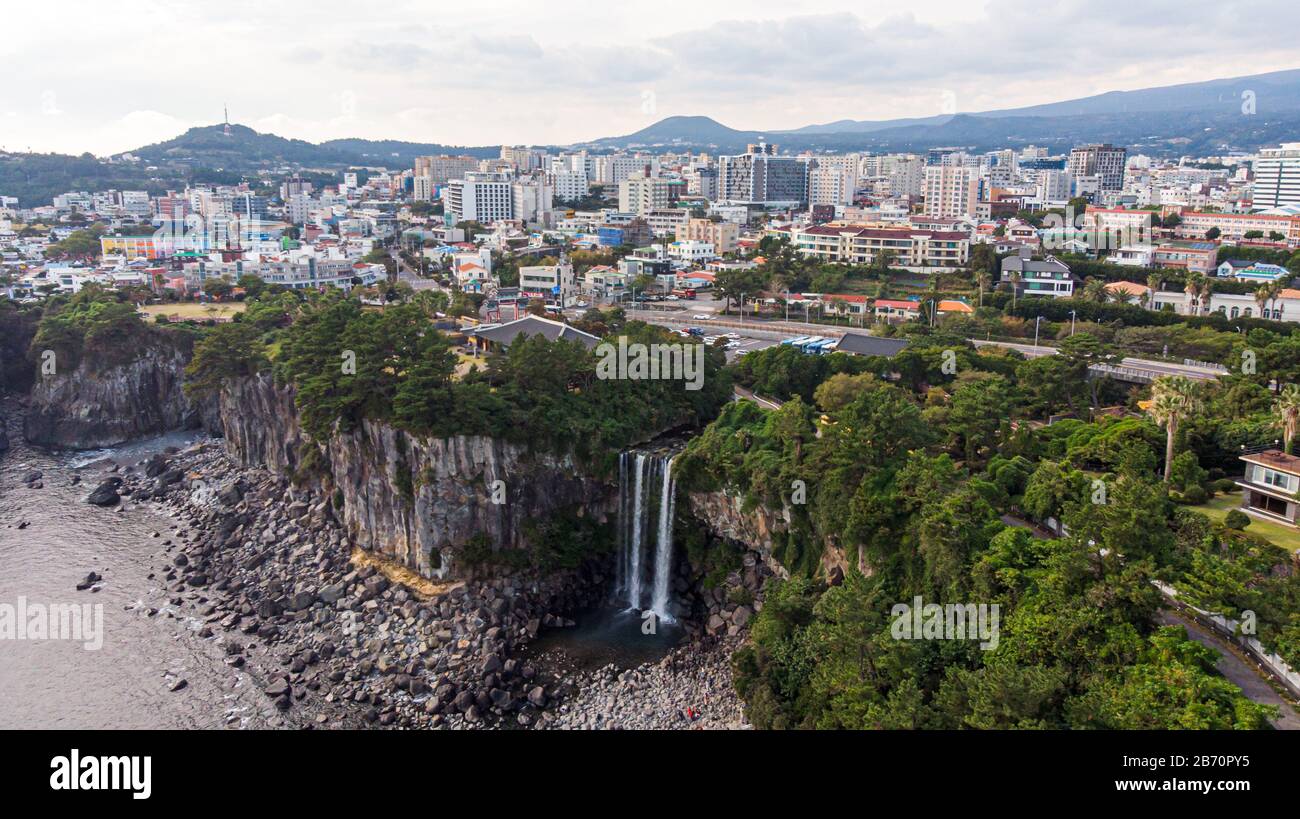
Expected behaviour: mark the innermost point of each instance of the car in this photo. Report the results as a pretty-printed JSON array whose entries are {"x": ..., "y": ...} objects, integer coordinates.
[
  {"x": 671, "y": 298},
  {"x": 701, "y": 317},
  {"x": 731, "y": 345}
]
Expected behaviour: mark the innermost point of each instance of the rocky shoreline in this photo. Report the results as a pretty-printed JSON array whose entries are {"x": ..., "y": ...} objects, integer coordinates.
[{"x": 337, "y": 639}]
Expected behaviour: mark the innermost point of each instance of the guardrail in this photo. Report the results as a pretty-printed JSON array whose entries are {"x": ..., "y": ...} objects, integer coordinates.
[{"x": 1265, "y": 660}]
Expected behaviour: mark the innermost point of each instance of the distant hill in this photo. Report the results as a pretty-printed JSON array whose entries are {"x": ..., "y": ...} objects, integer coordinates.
[
  {"x": 1191, "y": 117},
  {"x": 245, "y": 149},
  {"x": 685, "y": 130}
]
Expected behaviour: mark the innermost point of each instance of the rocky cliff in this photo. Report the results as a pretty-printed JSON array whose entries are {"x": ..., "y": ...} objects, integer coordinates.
[
  {"x": 98, "y": 406},
  {"x": 761, "y": 530},
  {"x": 417, "y": 501}
]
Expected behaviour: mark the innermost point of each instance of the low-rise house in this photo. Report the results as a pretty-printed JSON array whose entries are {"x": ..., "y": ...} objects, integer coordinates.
[
  {"x": 1245, "y": 270},
  {"x": 1270, "y": 485},
  {"x": 501, "y": 336},
  {"x": 1048, "y": 278},
  {"x": 894, "y": 310},
  {"x": 1129, "y": 293}
]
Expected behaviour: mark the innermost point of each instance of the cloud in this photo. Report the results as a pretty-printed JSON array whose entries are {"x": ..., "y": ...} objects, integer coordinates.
[{"x": 566, "y": 72}]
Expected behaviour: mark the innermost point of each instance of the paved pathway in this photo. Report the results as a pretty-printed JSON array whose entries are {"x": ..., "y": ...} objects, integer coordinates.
[{"x": 1237, "y": 670}]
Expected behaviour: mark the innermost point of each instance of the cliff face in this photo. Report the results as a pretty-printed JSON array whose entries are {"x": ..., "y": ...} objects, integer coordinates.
[
  {"x": 89, "y": 408},
  {"x": 260, "y": 424},
  {"x": 417, "y": 501},
  {"x": 725, "y": 516}
]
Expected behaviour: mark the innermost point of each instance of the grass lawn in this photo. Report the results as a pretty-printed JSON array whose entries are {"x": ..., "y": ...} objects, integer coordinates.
[
  {"x": 194, "y": 310},
  {"x": 1285, "y": 536}
]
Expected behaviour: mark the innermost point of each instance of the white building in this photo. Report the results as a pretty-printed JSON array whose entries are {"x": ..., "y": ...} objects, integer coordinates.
[
  {"x": 1277, "y": 176},
  {"x": 951, "y": 191},
  {"x": 555, "y": 282},
  {"x": 479, "y": 197}
]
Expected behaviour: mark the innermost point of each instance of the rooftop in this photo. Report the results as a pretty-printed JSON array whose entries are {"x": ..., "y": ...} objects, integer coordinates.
[{"x": 1275, "y": 459}]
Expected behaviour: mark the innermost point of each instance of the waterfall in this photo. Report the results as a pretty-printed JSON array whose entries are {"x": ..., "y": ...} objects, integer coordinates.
[
  {"x": 664, "y": 548},
  {"x": 634, "y": 550},
  {"x": 638, "y": 473}
]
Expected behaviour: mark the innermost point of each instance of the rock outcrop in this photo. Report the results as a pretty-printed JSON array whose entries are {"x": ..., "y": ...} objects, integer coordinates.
[
  {"x": 725, "y": 516},
  {"x": 417, "y": 501},
  {"x": 91, "y": 407}
]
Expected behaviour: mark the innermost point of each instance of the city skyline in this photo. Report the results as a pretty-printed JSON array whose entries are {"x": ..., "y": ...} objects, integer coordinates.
[{"x": 569, "y": 74}]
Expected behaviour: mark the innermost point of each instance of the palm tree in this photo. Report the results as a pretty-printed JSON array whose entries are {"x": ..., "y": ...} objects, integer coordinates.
[
  {"x": 1173, "y": 398},
  {"x": 1095, "y": 291},
  {"x": 1264, "y": 294},
  {"x": 1016, "y": 278},
  {"x": 984, "y": 279},
  {"x": 1193, "y": 291},
  {"x": 1287, "y": 407},
  {"x": 1153, "y": 285},
  {"x": 1207, "y": 290}
]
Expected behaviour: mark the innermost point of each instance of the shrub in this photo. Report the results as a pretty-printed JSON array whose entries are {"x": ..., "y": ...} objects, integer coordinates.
[
  {"x": 1236, "y": 519},
  {"x": 1195, "y": 494}
]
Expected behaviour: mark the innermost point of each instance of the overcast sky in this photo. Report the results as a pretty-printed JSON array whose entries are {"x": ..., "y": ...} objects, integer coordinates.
[{"x": 111, "y": 75}]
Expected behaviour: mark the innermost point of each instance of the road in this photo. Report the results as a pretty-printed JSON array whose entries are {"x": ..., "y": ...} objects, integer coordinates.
[
  {"x": 1236, "y": 670},
  {"x": 1131, "y": 368}
]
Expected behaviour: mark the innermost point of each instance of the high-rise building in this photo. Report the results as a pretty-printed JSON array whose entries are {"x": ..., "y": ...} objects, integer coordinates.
[
  {"x": 641, "y": 194},
  {"x": 568, "y": 185},
  {"x": 1104, "y": 161},
  {"x": 443, "y": 169},
  {"x": 1277, "y": 176},
  {"x": 479, "y": 197},
  {"x": 759, "y": 176},
  {"x": 832, "y": 183},
  {"x": 951, "y": 191}
]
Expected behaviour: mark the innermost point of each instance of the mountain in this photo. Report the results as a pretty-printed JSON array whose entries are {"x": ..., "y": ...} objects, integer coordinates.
[
  {"x": 1209, "y": 116},
  {"x": 685, "y": 130},
  {"x": 243, "y": 148},
  {"x": 1275, "y": 92}
]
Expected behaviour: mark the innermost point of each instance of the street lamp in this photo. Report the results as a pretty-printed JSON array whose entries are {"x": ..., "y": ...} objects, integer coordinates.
[
  {"x": 1036, "y": 322},
  {"x": 1071, "y": 322}
]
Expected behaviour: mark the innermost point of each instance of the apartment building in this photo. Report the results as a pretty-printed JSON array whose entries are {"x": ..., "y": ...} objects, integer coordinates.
[
  {"x": 1233, "y": 227},
  {"x": 1104, "y": 161},
  {"x": 641, "y": 194},
  {"x": 760, "y": 177},
  {"x": 858, "y": 244},
  {"x": 722, "y": 235},
  {"x": 479, "y": 197},
  {"x": 832, "y": 183},
  {"x": 554, "y": 281},
  {"x": 1277, "y": 176},
  {"x": 443, "y": 169},
  {"x": 951, "y": 191}
]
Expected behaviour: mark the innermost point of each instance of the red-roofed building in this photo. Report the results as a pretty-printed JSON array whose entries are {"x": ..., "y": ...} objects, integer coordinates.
[
  {"x": 893, "y": 310},
  {"x": 858, "y": 244}
]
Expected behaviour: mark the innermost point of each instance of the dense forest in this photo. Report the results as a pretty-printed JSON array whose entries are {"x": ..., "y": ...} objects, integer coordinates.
[{"x": 926, "y": 475}]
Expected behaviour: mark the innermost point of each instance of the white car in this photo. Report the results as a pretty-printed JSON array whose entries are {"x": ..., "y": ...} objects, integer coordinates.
[
  {"x": 671, "y": 298},
  {"x": 731, "y": 345},
  {"x": 699, "y": 316}
]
